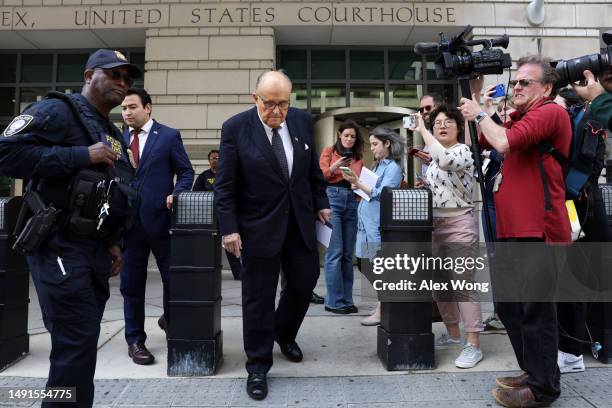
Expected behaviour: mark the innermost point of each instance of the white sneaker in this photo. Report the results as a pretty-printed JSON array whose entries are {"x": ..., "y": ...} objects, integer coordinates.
[
  {"x": 569, "y": 363},
  {"x": 493, "y": 323},
  {"x": 445, "y": 341},
  {"x": 371, "y": 320},
  {"x": 469, "y": 357}
]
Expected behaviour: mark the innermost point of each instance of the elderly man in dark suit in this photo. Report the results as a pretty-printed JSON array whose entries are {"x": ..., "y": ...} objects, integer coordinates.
[
  {"x": 158, "y": 154},
  {"x": 269, "y": 192}
]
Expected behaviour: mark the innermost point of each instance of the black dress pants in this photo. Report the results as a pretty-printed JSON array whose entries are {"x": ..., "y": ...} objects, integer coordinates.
[
  {"x": 262, "y": 324},
  {"x": 235, "y": 265},
  {"x": 71, "y": 279},
  {"x": 533, "y": 331}
]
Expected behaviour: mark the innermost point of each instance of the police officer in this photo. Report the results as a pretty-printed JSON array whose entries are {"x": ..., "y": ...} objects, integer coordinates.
[{"x": 61, "y": 143}]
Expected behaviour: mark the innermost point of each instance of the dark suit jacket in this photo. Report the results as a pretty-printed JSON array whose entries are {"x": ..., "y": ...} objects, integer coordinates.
[
  {"x": 163, "y": 156},
  {"x": 253, "y": 197}
]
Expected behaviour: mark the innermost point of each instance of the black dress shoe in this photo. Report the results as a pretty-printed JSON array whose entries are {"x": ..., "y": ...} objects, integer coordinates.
[
  {"x": 316, "y": 299},
  {"x": 291, "y": 351},
  {"x": 257, "y": 386},
  {"x": 162, "y": 323},
  {"x": 139, "y": 354},
  {"x": 341, "y": 310},
  {"x": 351, "y": 309}
]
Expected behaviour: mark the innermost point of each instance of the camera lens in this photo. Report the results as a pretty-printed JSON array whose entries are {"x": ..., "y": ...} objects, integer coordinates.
[{"x": 571, "y": 71}]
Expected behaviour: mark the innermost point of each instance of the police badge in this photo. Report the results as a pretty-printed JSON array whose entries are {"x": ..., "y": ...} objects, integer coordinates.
[
  {"x": 18, "y": 124},
  {"x": 120, "y": 56}
]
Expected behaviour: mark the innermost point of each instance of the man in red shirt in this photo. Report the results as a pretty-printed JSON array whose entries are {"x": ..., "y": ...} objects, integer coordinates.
[{"x": 530, "y": 204}]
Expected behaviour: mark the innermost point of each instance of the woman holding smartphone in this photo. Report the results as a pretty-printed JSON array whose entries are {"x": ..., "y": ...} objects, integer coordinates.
[
  {"x": 450, "y": 176},
  {"x": 388, "y": 150},
  {"x": 338, "y": 262}
]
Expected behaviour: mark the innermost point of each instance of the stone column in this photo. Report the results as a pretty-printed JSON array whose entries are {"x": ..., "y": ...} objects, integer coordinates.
[{"x": 199, "y": 77}]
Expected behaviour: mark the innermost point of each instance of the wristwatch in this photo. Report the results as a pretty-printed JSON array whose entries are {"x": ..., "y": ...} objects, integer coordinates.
[{"x": 480, "y": 117}]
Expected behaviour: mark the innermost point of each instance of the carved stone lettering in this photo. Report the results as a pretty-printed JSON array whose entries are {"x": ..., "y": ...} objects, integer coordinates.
[{"x": 5, "y": 19}]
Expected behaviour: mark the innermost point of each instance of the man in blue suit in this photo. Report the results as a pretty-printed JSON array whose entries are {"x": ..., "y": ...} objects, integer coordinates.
[
  {"x": 269, "y": 191},
  {"x": 158, "y": 154}
]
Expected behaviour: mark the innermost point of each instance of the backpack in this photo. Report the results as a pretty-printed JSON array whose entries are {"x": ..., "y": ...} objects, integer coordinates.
[{"x": 587, "y": 152}]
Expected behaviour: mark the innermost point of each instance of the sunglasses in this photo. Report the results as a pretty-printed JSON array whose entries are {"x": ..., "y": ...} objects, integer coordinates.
[
  {"x": 524, "y": 83},
  {"x": 116, "y": 75},
  {"x": 425, "y": 108}
]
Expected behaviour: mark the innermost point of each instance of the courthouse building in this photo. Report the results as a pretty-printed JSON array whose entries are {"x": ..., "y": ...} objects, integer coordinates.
[{"x": 201, "y": 59}]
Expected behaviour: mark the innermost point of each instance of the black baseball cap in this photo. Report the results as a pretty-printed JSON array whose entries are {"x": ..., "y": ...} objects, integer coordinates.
[{"x": 111, "y": 59}]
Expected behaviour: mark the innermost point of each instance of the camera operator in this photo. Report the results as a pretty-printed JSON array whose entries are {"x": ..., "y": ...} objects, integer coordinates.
[
  {"x": 599, "y": 94},
  {"x": 531, "y": 326}
]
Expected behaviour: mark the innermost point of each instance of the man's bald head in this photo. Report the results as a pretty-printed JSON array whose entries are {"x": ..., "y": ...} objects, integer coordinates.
[
  {"x": 274, "y": 79},
  {"x": 271, "y": 96}
]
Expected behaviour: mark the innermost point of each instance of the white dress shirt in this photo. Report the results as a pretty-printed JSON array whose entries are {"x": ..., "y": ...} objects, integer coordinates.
[
  {"x": 142, "y": 136},
  {"x": 285, "y": 137}
]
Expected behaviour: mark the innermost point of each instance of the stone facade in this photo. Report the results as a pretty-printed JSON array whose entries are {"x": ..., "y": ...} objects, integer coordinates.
[{"x": 203, "y": 58}]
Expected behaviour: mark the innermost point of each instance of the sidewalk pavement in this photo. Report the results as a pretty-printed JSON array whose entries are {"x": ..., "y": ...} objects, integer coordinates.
[{"x": 340, "y": 367}]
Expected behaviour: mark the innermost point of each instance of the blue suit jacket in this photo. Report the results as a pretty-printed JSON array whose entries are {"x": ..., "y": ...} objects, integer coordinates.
[
  {"x": 163, "y": 156},
  {"x": 251, "y": 194}
]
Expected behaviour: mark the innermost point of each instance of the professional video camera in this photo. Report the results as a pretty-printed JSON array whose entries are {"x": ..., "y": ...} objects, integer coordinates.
[
  {"x": 457, "y": 60},
  {"x": 571, "y": 70}
]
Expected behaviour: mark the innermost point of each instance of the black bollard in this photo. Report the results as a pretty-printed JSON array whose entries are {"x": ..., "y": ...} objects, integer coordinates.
[
  {"x": 195, "y": 339},
  {"x": 405, "y": 340},
  {"x": 14, "y": 289},
  {"x": 599, "y": 319}
]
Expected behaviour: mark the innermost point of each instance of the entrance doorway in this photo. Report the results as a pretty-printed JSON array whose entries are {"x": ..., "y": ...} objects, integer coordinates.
[{"x": 326, "y": 127}]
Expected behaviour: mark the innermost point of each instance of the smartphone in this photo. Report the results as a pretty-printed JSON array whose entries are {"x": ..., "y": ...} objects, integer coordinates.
[
  {"x": 347, "y": 155},
  {"x": 410, "y": 122},
  {"x": 422, "y": 180},
  {"x": 413, "y": 151},
  {"x": 500, "y": 90},
  {"x": 346, "y": 170}
]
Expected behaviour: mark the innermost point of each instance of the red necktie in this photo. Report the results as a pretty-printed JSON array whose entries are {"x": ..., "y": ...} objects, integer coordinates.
[{"x": 135, "y": 147}]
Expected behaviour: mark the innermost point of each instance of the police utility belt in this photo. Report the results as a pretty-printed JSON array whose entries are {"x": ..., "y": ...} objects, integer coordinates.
[{"x": 99, "y": 202}]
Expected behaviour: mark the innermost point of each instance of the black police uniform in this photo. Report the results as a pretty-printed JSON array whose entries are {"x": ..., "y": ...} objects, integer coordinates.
[{"x": 70, "y": 271}]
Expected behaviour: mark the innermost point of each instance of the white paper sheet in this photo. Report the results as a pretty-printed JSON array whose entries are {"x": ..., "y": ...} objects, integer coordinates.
[
  {"x": 324, "y": 232},
  {"x": 369, "y": 178}
]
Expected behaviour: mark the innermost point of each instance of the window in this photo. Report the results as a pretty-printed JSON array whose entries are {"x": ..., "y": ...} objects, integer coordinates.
[
  {"x": 326, "y": 97},
  {"x": 36, "y": 68},
  {"x": 8, "y": 68},
  {"x": 294, "y": 63},
  {"x": 27, "y": 76},
  {"x": 328, "y": 64},
  {"x": 367, "y": 64},
  {"x": 70, "y": 67},
  {"x": 327, "y": 78}
]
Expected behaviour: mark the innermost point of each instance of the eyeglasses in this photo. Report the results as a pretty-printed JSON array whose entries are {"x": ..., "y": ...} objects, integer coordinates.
[
  {"x": 425, "y": 108},
  {"x": 446, "y": 122},
  {"x": 116, "y": 75},
  {"x": 524, "y": 83},
  {"x": 211, "y": 158},
  {"x": 269, "y": 105}
]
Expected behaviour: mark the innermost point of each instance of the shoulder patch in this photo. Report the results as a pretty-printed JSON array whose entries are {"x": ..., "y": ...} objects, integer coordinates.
[{"x": 18, "y": 124}]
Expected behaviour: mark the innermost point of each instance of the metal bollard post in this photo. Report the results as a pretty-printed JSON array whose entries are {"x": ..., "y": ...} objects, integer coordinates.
[
  {"x": 195, "y": 339},
  {"x": 599, "y": 319},
  {"x": 405, "y": 340},
  {"x": 14, "y": 289}
]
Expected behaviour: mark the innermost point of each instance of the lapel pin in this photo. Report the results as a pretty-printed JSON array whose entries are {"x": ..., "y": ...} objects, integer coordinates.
[
  {"x": 306, "y": 146},
  {"x": 155, "y": 131}
]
